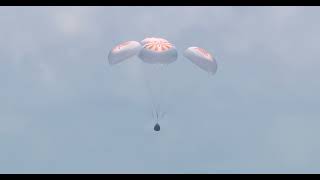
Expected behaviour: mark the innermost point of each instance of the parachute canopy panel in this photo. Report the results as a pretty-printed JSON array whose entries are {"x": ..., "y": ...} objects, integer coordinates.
[
  {"x": 201, "y": 58},
  {"x": 124, "y": 51},
  {"x": 152, "y": 39},
  {"x": 158, "y": 51}
]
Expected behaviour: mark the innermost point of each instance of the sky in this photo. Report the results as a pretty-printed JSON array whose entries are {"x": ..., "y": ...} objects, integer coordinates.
[{"x": 64, "y": 109}]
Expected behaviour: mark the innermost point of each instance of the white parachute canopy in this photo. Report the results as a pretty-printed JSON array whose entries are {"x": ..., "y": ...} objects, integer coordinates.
[
  {"x": 201, "y": 58},
  {"x": 123, "y": 52},
  {"x": 157, "y": 51}
]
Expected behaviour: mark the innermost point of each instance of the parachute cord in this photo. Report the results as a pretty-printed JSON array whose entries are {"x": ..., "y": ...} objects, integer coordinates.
[
  {"x": 163, "y": 88},
  {"x": 154, "y": 109},
  {"x": 156, "y": 76},
  {"x": 159, "y": 91},
  {"x": 151, "y": 94},
  {"x": 159, "y": 78}
]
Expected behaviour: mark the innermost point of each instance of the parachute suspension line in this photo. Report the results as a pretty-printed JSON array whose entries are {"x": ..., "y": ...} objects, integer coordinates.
[
  {"x": 154, "y": 104},
  {"x": 158, "y": 112},
  {"x": 161, "y": 95},
  {"x": 160, "y": 79},
  {"x": 164, "y": 87}
]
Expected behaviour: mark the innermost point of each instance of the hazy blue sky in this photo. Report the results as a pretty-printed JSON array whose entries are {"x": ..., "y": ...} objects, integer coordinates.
[{"x": 63, "y": 109}]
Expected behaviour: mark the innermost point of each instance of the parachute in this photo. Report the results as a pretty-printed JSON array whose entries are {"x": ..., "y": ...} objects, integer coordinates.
[
  {"x": 155, "y": 53},
  {"x": 158, "y": 51},
  {"x": 201, "y": 58},
  {"x": 123, "y": 52}
]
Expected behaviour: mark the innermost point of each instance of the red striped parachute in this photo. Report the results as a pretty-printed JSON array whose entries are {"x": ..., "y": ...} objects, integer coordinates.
[{"x": 158, "y": 51}]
